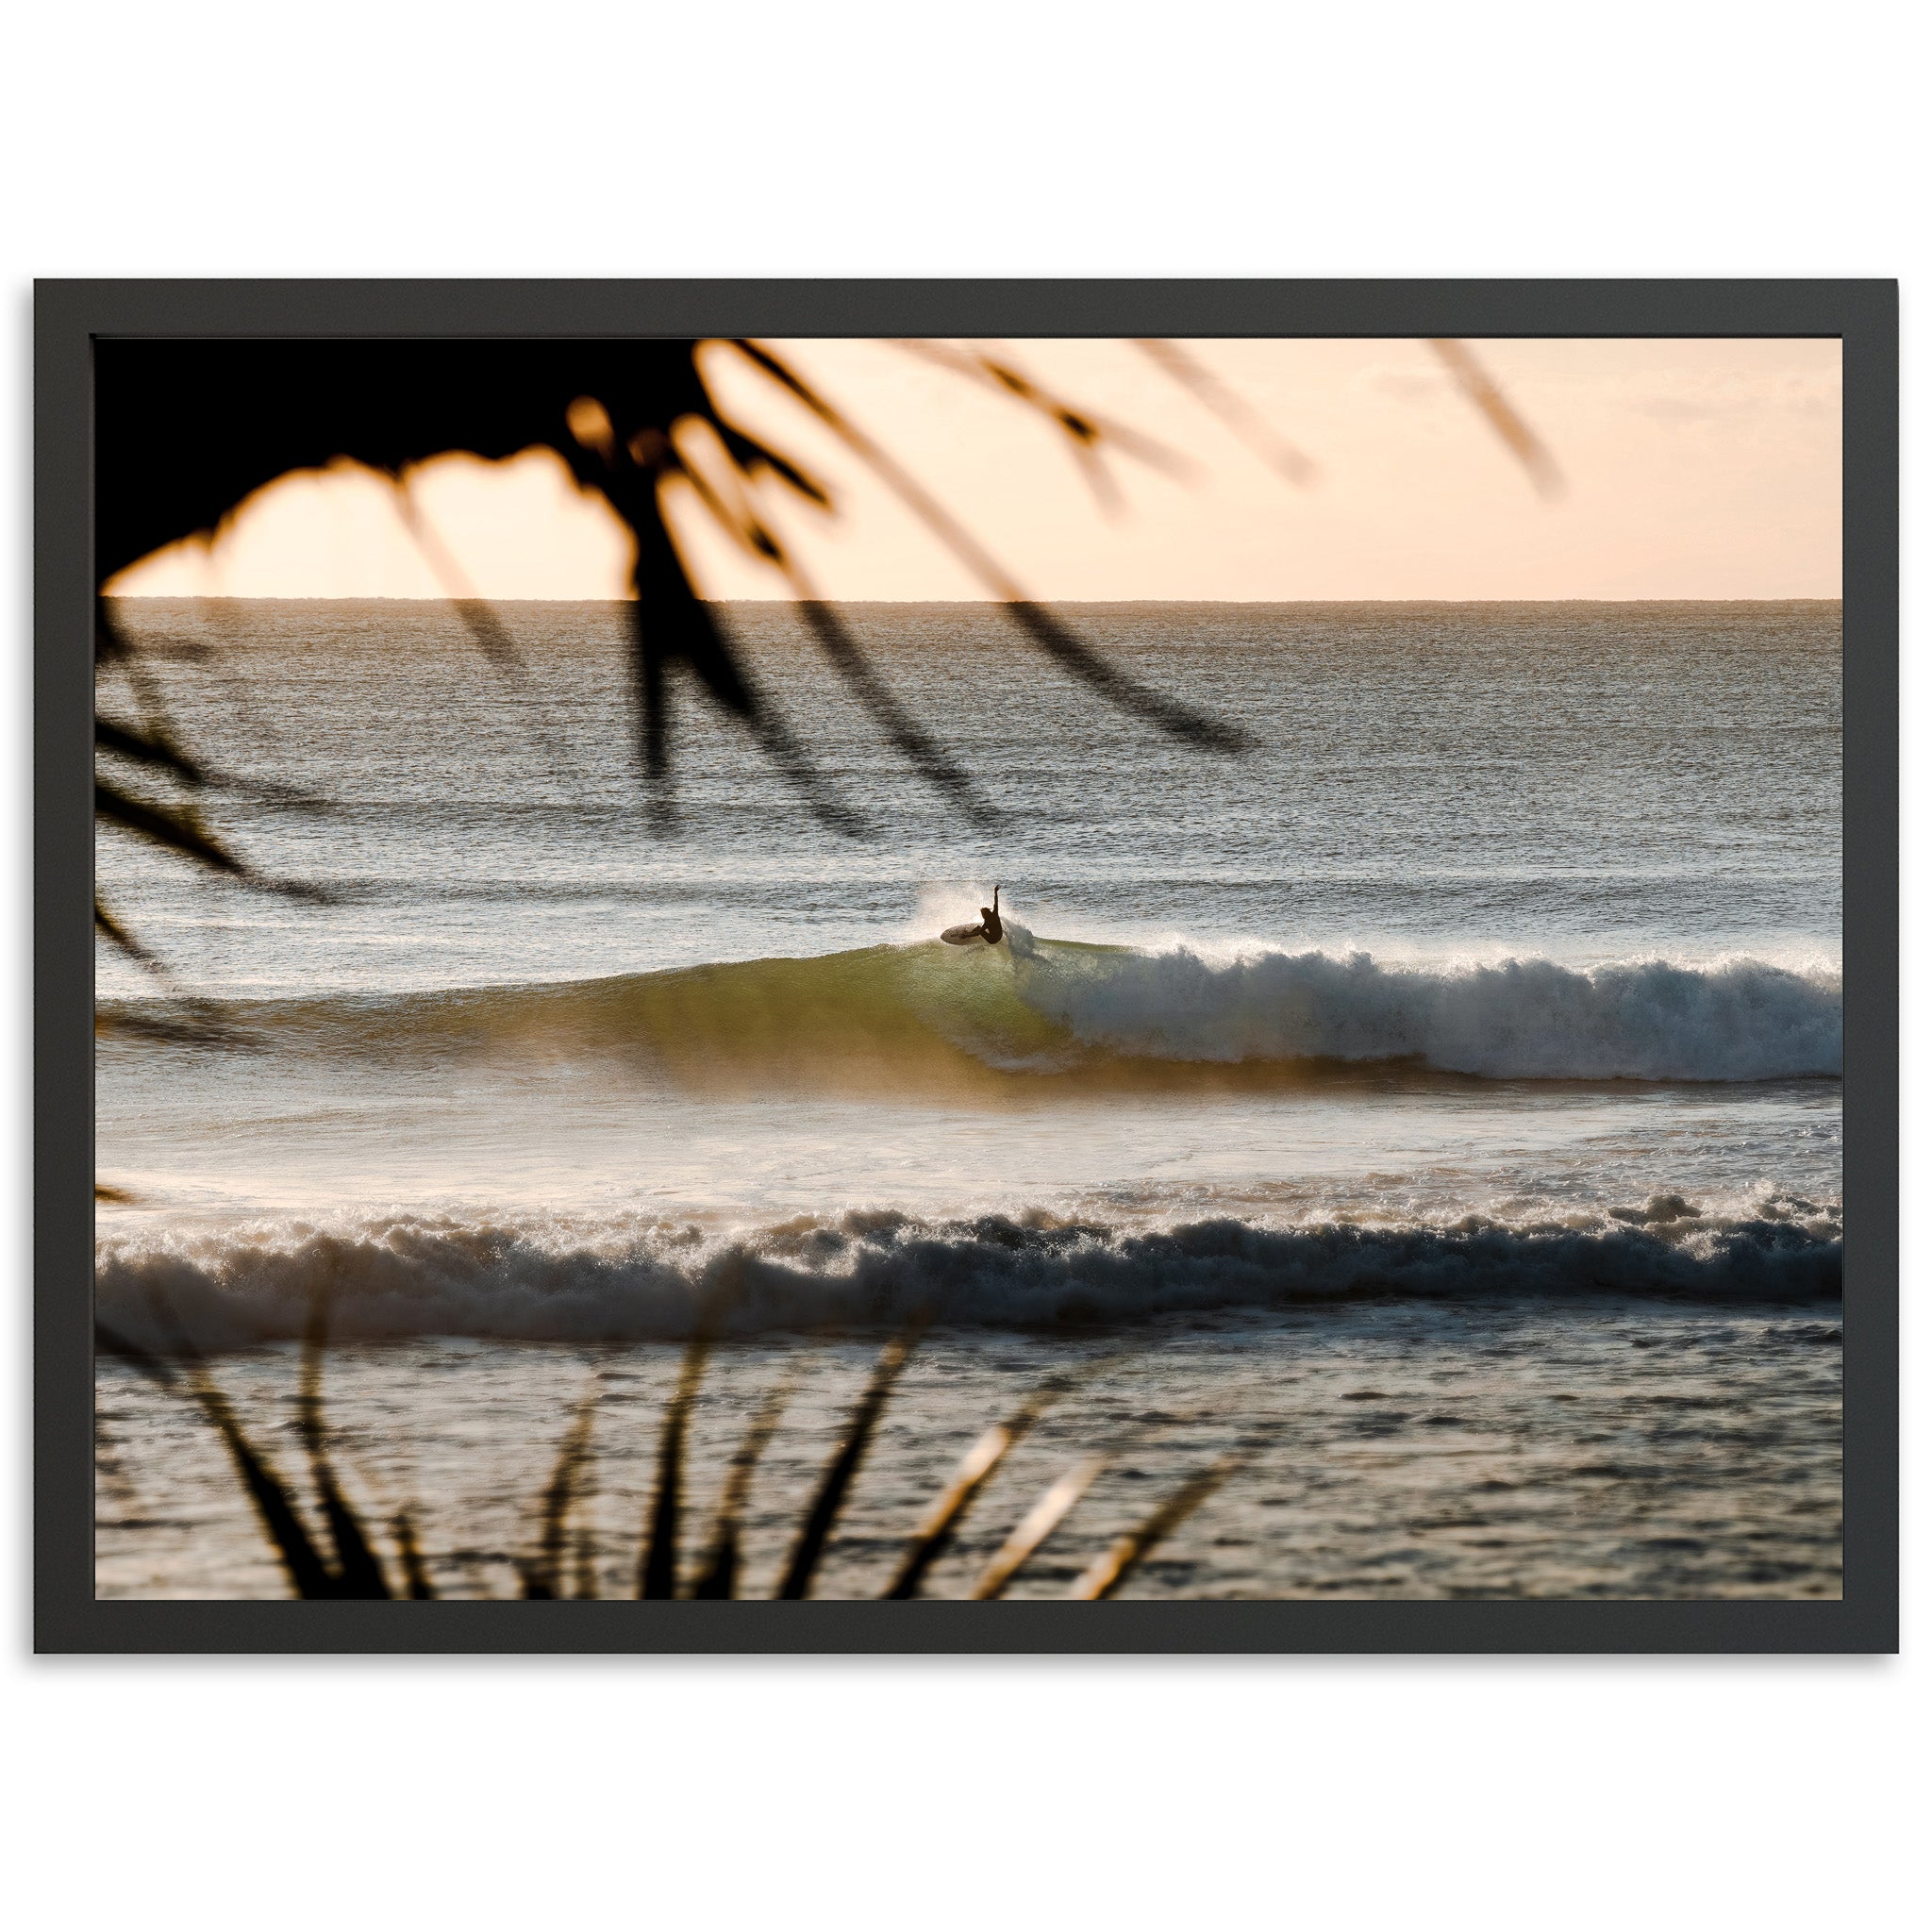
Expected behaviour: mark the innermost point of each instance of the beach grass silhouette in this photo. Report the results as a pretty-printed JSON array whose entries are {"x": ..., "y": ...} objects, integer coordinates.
[{"x": 347, "y": 1564}]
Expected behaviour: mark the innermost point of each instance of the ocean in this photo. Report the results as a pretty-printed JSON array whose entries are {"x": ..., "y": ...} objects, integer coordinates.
[{"x": 1425, "y": 1119}]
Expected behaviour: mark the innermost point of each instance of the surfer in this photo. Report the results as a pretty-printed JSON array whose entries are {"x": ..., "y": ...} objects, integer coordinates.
[
  {"x": 990, "y": 920},
  {"x": 989, "y": 929}
]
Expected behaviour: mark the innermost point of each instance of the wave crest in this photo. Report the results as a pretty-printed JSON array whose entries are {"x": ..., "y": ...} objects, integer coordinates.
[
  {"x": 407, "y": 1276},
  {"x": 1520, "y": 1019}
]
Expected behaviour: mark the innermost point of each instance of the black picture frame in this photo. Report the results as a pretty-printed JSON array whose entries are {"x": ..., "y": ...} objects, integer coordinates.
[{"x": 69, "y": 316}]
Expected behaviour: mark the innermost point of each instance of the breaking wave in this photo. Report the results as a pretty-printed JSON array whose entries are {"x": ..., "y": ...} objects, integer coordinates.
[
  {"x": 1053, "y": 1013},
  {"x": 1520, "y": 1019},
  {"x": 536, "y": 1280}
]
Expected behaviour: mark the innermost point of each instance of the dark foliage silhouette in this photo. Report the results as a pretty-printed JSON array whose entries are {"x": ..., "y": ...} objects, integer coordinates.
[
  {"x": 352, "y": 1566},
  {"x": 188, "y": 430}
]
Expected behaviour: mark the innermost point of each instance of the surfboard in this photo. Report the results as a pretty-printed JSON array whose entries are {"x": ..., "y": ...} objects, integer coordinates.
[{"x": 962, "y": 935}]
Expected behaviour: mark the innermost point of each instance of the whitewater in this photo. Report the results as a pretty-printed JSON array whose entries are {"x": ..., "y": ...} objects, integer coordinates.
[{"x": 1451, "y": 1081}]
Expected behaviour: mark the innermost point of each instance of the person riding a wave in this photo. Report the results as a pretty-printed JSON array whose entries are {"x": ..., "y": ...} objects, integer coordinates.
[{"x": 989, "y": 928}]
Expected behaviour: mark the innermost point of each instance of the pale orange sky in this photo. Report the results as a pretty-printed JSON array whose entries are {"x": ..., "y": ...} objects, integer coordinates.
[{"x": 1694, "y": 469}]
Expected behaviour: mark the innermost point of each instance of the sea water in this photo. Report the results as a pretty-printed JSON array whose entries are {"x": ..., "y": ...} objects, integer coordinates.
[{"x": 1433, "y": 1104}]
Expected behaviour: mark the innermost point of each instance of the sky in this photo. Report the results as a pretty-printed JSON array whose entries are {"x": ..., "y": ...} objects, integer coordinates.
[{"x": 1689, "y": 469}]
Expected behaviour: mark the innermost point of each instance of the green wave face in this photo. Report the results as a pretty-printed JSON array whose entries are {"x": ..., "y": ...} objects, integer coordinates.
[
  {"x": 880, "y": 1018},
  {"x": 1053, "y": 1017},
  {"x": 925, "y": 1018}
]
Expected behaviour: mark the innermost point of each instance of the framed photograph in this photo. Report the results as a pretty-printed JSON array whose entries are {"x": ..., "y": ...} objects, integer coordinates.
[{"x": 966, "y": 966}]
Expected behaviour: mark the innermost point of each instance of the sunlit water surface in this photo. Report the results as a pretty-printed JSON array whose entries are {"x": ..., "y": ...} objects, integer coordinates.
[{"x": 1436, "y": 1105}]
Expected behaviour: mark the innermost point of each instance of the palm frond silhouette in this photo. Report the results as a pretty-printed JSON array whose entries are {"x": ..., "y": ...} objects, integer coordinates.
[{"x": 188, "y": 430}]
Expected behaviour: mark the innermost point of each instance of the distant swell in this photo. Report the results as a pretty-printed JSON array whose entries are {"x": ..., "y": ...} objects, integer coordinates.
[
  {"x": 405, "y": 1276},
  {"x": 941, "y": 1021}
]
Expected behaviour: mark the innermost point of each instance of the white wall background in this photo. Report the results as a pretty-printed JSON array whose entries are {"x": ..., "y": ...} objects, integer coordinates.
[{"x": 841, "y": 139}]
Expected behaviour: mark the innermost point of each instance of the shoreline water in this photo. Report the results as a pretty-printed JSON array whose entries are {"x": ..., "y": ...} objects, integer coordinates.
[{"x": 1387, "y": 1454}]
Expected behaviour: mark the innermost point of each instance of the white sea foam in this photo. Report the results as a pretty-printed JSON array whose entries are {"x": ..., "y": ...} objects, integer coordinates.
[
  {"x": 532, "y": 1280},
  {"x": 1520, "y": 1018}
]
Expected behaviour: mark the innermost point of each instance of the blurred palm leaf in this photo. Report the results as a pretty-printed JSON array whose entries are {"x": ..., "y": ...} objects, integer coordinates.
[
  {"x": 308, "y": 1574},
  {"x": 1089, "y": 435},
  {"x": 719, "y": 1577},
  {"x": 657, "y": 1562},
  {"x": 1112, "y": 1568},
  {"x": 843, "y": 1468},
  {"x": 975, "y": 1469},
  {"x": 415, "y": 1576},
  {"x": 1212, "y": 393},
  {"x": 542, "y": 1573},
  {"x": 358, "y": 1574},
  {"x": 1035, "y": 1527},
  {"x": 1496, "y": 409}
]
